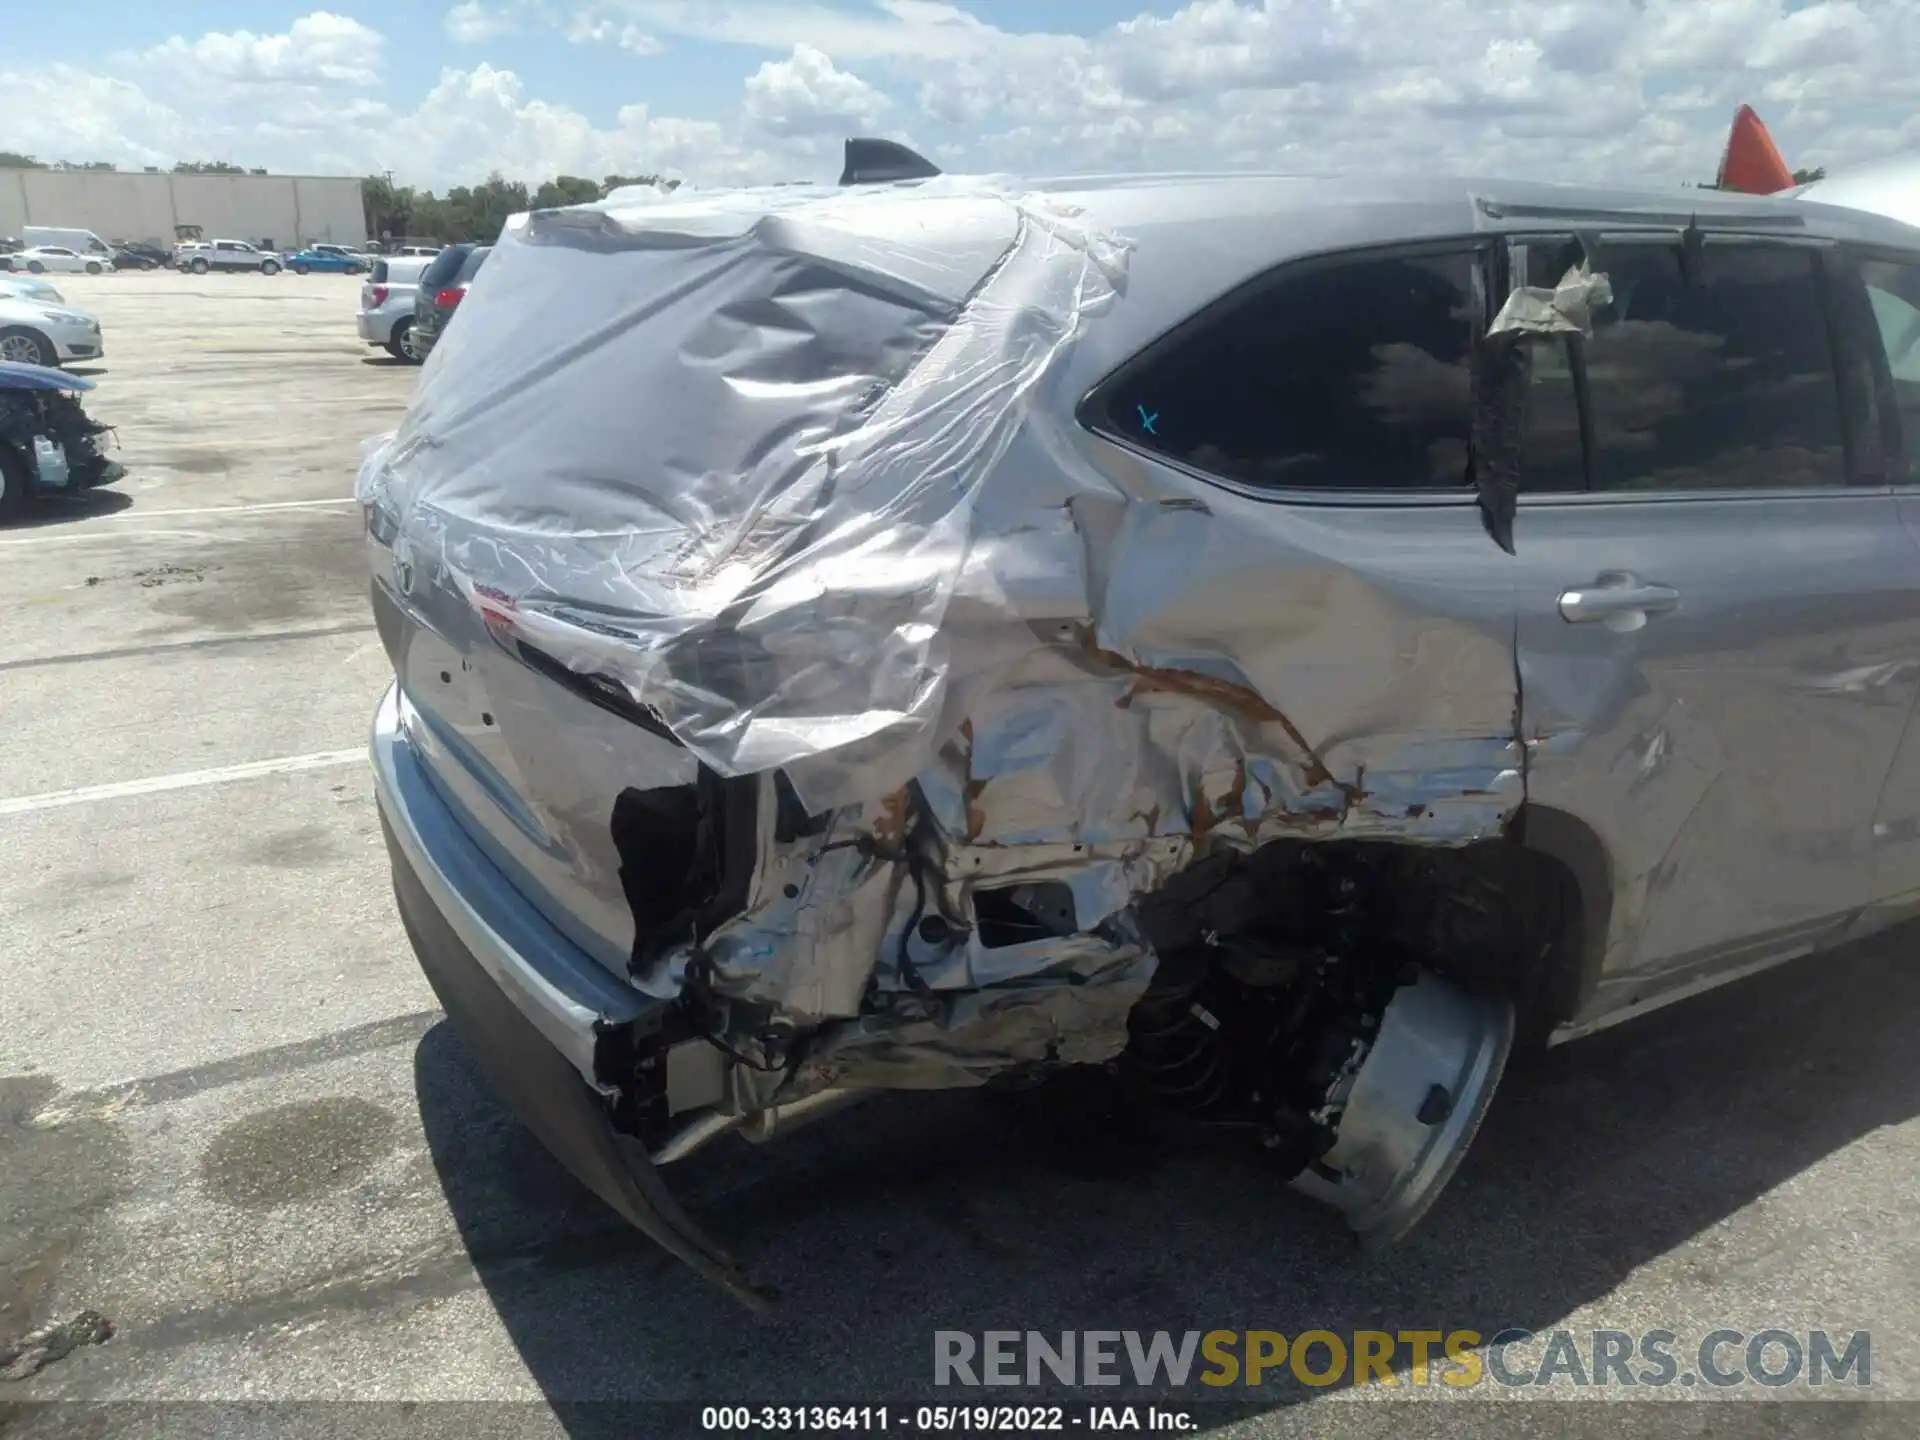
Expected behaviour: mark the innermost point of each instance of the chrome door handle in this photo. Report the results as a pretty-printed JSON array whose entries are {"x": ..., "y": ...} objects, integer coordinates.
[{"x": 1618, "y": 600}]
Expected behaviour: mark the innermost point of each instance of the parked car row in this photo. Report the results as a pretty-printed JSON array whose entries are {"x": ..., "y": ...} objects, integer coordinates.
[
  {"x": 408, "y": 299},
  {"x": 61, "y": 251}
]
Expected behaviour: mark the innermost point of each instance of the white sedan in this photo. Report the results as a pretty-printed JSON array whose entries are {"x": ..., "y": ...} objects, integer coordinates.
[
  {"x": 26, "y": 287},
  {"x": 42, "y": 258},
  {"x": 35, "y": 334}
]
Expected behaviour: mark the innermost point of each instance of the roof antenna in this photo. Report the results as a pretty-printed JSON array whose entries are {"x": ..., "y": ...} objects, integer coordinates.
[{"x": 872, "y": 161}]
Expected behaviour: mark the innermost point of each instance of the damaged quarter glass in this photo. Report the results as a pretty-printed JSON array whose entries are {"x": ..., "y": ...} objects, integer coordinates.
[{"x": 856, "y": 641}]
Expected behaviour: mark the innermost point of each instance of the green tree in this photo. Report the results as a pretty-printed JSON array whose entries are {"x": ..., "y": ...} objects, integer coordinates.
[
  {"x": 565, "y": 190},
  {"x": 389, "y": 207},
  {"x": 14, "y": 160},
  {"x": 208, "y": 167},
  {"x": 615, "y": 182}
]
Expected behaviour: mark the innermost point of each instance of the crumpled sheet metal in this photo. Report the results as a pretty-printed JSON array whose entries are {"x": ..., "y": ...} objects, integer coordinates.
[
  {"x": 753, "y": 544},
  {"x": 1566, "y": 309},
  {"x": 960, "y": 638}
]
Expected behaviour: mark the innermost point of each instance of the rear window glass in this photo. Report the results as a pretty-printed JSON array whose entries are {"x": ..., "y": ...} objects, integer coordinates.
[
  {"x": 443, "y": 267},
  {"x": 473, "y": 263},
  {"x": 379, "y": 272},
  {"x": 1347, "y": 376}
]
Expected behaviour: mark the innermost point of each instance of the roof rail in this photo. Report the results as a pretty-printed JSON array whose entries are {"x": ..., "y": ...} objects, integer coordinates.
[
  {"x": 1784, "y": 218},
  {"x": 872, "y": 161}
]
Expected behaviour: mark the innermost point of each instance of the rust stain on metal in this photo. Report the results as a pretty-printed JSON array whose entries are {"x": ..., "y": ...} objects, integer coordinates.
[
  {"x": 890, "y": 826},
  {"x": 1203, "y": 817},
  {"x": 1241, "y": 700},
  {"x": 976, "y": 813},
  {"x": 1233, "y": 804}
]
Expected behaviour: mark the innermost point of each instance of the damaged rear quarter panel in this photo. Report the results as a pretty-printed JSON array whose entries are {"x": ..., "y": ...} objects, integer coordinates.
[{"x": 1197, "y": 668}]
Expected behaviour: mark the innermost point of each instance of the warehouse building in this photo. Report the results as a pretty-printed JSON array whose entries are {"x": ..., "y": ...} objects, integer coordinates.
[{"x": 286, "y": 210}]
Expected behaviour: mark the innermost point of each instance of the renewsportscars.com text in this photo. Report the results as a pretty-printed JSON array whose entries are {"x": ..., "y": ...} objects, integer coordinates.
[{"x": 1460, "y": 1358}]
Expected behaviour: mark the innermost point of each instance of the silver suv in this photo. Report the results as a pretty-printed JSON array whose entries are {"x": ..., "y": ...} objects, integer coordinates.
[{"x": 1283, "y": 641}]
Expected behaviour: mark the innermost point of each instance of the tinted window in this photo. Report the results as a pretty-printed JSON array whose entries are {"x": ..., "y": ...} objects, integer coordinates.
[
  {"x": 473, "y": 262},
  {"x": 1893, "y": 289},
  {"x": 1348, "y": 376},
  {"x": 1721, "y": 381},
  {"x": 444, "y": 266}
]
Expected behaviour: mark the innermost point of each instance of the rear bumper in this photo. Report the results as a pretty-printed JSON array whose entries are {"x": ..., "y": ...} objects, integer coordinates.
[
  {"x": 566, "y": 996},
  {"x": 527, "y": 1004},
  {"x": 376, "y": 328}
]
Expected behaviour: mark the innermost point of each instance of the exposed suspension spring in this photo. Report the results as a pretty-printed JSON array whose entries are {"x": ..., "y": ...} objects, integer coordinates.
[{"x": 1176, "y": 1053}]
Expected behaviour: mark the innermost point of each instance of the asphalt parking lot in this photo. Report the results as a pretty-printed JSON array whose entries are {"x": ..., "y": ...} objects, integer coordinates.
[{"x": 233, "y": 1122}]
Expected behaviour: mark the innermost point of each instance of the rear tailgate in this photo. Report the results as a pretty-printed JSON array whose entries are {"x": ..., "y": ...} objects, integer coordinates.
[{"x": 588, "y": 441}]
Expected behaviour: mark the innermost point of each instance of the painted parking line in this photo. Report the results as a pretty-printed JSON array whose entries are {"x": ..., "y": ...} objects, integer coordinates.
[
  {"x": 94, "y": 535},
  {"x": 184, "y": 780},
  {"x": 134, "y": 514}
]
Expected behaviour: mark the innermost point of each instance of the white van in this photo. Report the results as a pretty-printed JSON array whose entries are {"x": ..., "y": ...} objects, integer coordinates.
[{"x": 81, "y": 242}]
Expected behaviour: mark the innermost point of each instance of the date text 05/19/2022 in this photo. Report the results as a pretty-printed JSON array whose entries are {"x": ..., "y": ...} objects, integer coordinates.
[{"x": 943, "y": 1419}]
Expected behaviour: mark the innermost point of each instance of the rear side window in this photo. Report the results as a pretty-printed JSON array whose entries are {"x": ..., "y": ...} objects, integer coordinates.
[
  {"x": 1893, "y": 289},
  {"x": 379, "y": 272},
  {"x": 1353, "y": 375},
  {"x": 473, "y": 262},
  {"x": 1723, "y": 379}
]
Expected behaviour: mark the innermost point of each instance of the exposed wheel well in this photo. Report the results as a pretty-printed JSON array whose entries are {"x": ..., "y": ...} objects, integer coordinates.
[{"x": 1524, "y": 915}]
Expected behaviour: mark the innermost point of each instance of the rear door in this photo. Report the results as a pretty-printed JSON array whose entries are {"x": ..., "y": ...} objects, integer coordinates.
[
  {"x": 1718, "y": 609},
  {"x": 1888, "y": 323},
  {"x": 1312, "y": 429}
]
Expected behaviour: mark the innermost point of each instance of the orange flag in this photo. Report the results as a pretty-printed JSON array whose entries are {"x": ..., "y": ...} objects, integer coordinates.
[{"x": 1752, "y": 163}]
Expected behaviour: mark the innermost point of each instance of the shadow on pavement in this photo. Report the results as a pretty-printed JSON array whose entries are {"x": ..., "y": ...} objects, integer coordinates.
[
  {"x": 969, "y": 1212},
  {"x": 66, "y": 509}
]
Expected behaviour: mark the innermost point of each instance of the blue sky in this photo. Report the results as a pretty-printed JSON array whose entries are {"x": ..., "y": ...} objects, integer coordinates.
[{"x": 720, "y": 91}]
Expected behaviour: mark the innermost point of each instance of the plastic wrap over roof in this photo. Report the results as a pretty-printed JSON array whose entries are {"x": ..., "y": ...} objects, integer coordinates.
[{"x": 724, "y": 449}]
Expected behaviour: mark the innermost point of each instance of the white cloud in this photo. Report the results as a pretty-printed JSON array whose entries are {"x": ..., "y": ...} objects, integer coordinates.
[
  {"x": 926, "y": 29},
  {"x": 317, "y": 49},
  {"x": 807, "y": 94},
  {"x": 470, "y": 22},
  {"x": 591, "y": 27},
  {"x": 1631, "y": 89}
]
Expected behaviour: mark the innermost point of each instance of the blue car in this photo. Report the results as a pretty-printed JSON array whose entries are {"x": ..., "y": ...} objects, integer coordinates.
[
  {"x": 335, "y": 258},
  {"x": 48, "y": 444}
]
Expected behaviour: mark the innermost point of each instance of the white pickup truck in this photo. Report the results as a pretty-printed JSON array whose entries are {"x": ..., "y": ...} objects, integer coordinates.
[
  {"x": 386, "y": 306},
  {"x": 202, "y": 256}
]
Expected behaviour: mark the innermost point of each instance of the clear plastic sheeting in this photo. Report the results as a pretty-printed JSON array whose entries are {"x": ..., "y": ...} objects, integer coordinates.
[{"x": 758, "y": 422}]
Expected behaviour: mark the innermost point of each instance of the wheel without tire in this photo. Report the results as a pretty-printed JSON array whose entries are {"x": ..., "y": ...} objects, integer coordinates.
[{"x": 27, "y": 347}]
